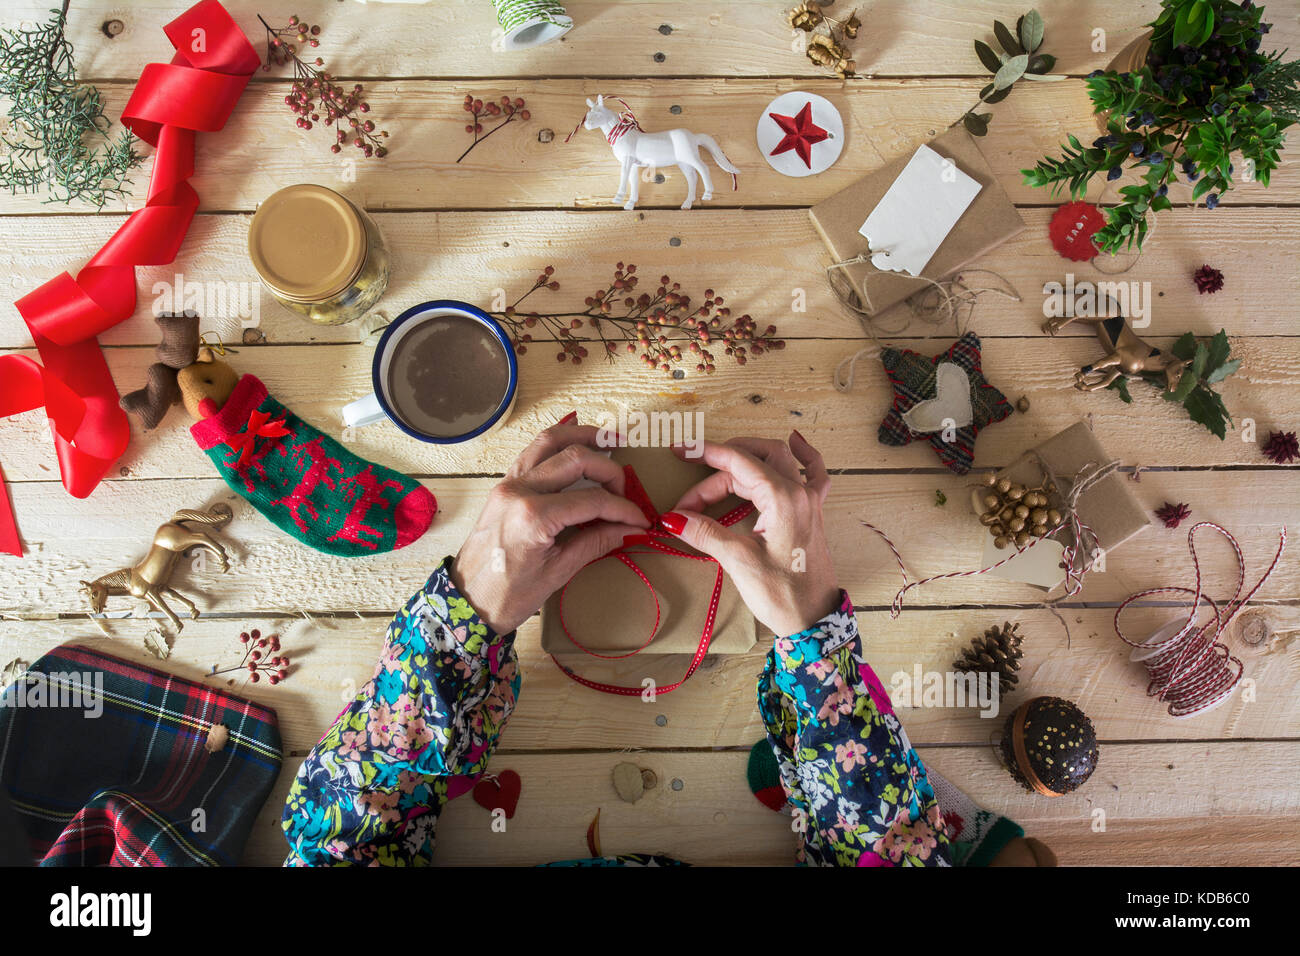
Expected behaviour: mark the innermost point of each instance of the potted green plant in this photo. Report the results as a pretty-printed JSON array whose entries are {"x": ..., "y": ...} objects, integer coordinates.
[{"x": 1203, "y": 92}]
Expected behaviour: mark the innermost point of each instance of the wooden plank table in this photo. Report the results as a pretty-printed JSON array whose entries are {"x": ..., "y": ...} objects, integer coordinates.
[{"x": 1220, "y": 787}]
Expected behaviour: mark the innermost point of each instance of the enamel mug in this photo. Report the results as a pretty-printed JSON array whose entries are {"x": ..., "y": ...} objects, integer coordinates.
[{"x": 381, "y": 404}]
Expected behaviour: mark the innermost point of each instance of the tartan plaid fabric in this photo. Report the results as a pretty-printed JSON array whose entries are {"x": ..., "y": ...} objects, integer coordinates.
[
  {"x": 913, "y": 378},
  {"x": 105, "y": 764}
]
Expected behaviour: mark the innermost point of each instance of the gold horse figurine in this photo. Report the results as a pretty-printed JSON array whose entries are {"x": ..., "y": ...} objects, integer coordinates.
[
  {"x": 1126, "y": 354},
  {"x": 148, "y": 579}
]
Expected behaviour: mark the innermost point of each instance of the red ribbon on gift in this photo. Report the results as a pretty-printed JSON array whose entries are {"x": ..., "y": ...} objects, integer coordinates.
[
  {"x": 654, "y": 538},
  {"x": 258, "y": 427},
  {"x": 195, "y": 92}
]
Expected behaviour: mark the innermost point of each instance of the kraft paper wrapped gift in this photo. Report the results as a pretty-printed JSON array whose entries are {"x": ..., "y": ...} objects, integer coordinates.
[
  {"x": 1109, "y": 507},
  {"x": 987, "y": 222},
  {"x": 610, "y": 611}
]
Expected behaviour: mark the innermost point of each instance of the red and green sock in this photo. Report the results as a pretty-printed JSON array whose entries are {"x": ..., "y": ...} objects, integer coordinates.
[{"x": 305, "y": 482}]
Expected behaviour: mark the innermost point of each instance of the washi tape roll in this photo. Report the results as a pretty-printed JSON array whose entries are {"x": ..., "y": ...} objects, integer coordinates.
[{"x": 529, "y": 23}]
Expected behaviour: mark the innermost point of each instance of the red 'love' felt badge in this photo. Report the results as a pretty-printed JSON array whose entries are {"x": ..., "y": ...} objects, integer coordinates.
[
  {"x": 1072, "y": 229},
  {"x": 499, "y": 794}
]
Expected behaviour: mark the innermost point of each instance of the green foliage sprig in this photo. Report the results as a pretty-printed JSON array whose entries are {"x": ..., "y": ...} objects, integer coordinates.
[
  {"x": 1021, "y": 60},
  {"x": 1207, "y": 365},
  {"x": 1204, "y": 93},
  {"x": 57, "y": 137}
]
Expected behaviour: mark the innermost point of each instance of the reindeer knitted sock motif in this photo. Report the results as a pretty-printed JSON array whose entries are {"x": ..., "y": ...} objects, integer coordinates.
[{"x": 306, "y": 483}]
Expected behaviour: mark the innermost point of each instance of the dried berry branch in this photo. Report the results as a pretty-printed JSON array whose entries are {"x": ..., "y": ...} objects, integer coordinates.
[
  {"x": 314, "y": 92},
  {"x": 255, "y": 660},
  {"x": 511, "y": 109},
  {"x": 662, "y": 328}
]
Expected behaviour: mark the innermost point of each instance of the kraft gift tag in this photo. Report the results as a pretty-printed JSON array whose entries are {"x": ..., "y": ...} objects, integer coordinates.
[
  {"x": 987, "y": 222},
  {"x": 914, "y": 217},
  {"x": 611, "y": 611}
]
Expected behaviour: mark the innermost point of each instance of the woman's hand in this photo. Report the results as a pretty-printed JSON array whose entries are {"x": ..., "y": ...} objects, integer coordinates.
[
  {"x": 783, "y": 568},
  {"x": 511, "y": 562}
]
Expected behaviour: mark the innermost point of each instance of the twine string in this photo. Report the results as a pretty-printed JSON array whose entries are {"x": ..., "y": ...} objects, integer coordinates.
[
  {"x": 1193, "y": 670},
  {"x": 515, "y": 13},
  {"x": 933, "y": 305}
]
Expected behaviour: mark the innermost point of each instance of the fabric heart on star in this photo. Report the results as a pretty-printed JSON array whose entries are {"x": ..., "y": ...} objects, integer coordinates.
[{"x": 944, "y": 399}]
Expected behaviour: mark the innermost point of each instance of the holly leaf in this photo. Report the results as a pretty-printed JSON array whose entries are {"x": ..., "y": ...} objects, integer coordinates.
[
  {"x": 1185, "y": 347},
  {"x": 1220, "y": 350},
  {"x": 1011, "y": 71},
  {"x": 1031, "y": 31},
  {"x": 1223, "y": 371},
  {"x": 990, "y": 59},
  {"x": 1121, "y": 385},
  {"x": 1186, "y": 383},
  {"x": 1006, "y": 38},
  {"x": 1205, "y": 407}
]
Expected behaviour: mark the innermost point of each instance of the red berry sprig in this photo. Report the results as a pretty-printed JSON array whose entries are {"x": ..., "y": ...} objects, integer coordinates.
[
  {"x": 662, "y": 329},
  {"x": 314, "y": 96},
  {"x": 511, "y": 109},
  {"x": 261, "y": 656}
]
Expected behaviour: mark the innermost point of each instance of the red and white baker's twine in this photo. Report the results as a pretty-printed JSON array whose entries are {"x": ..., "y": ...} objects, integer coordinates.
[
  {"x": 626, "y": 121},
  {"x": 1193, "y": 670},
  {"x": 1076, "y": 555}
]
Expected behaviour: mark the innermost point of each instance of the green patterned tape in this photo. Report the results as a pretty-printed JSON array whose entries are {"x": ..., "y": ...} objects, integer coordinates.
[{"x": 529, "y": 23}]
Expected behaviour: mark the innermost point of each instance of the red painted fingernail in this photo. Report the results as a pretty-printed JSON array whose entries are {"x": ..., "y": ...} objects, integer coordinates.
[
  {"x": 571, "y": 417},
  {"x": 673, "y": 522},
  {"x": 795, "y": 431}
]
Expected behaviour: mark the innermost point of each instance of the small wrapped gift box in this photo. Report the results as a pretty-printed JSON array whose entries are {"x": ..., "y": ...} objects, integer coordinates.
[
  {"x": 1105, "y": 505},
  {"x": 610, "y": 611}
]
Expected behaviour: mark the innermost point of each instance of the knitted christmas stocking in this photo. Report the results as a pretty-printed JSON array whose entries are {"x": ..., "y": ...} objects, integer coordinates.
[
  {"x": 977, "y": 835},
  {"x": 765, "y": 777},
  {"x": 305, "y": 482}
]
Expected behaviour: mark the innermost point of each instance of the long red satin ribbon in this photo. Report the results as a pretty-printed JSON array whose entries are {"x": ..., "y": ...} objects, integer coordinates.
[
  {"x": 654, "y": 538},
  {"x": 195, "y": 92}
]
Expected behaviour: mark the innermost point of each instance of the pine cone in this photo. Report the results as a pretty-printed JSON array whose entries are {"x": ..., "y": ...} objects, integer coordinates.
[
  {"x": 1173, "y": 514},
  {"x": 1208, "y": 279},
  {"x": 1281, "y": 447},
  {"x": 997, "y": 652}
]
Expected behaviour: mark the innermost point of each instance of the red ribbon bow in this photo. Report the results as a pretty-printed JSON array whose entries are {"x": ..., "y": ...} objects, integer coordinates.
[
  {"x": 195, "y": 92},
  {"x": 258, "y": 427},
  {"x": 654, "y": 538}
]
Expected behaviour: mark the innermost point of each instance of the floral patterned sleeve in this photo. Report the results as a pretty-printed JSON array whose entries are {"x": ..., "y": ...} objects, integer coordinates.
[
  {"x": 847, "y": 766},
  {"x": 418, "y": 734}
]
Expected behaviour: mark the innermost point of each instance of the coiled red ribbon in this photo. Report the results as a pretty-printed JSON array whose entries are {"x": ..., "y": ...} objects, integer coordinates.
[
  {"x": 655, "y": 539},
  {"x": 1192, "y": 670},
  {"x": 195, "y": 92}
]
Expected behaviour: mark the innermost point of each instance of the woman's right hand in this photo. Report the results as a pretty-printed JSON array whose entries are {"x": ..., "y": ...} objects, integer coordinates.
[{"x": 782, "y": 568}]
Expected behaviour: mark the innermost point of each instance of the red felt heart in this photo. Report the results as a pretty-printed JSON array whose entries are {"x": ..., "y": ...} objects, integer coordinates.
[{"x": 499, "y": 794}]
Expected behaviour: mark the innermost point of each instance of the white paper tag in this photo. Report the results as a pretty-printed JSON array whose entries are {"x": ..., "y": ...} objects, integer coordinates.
[{"x": 914, "y": 217}]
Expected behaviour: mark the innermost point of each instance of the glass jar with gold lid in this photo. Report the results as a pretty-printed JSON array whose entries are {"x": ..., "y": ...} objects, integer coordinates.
[{"x": 318, "y": 254}]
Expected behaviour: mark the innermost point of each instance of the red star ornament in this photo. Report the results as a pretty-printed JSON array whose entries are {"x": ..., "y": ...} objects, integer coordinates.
[{"x": 800, "y": 133}]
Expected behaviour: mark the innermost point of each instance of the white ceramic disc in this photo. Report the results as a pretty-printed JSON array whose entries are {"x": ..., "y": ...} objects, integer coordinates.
[{"x": 822, "y": 152}]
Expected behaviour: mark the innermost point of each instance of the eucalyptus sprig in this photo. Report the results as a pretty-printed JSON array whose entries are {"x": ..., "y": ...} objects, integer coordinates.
[
  {"x": 1204, "y": 93},
  {"x": 57, "y": 137},
  {"x": 1207, "y": 365},
  {"x": 1019, "y": 61}
]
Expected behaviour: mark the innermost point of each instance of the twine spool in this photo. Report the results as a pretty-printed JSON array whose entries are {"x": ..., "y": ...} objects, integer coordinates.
[
  {"x": 529, "y": 23},
  {"x": 1188, "y": 666}
]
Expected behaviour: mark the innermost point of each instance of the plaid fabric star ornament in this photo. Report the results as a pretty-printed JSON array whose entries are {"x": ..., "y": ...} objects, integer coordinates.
[{"x": 944, "y": 399}]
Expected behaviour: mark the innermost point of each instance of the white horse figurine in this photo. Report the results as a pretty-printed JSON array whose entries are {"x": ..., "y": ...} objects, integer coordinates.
[{"x": 635, "y": 149}]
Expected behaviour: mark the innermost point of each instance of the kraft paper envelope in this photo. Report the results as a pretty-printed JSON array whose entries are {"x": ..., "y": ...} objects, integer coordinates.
[
  {"x": 610, "y": 611},
  {"x": 1108, "y": 507},
  {"x": 988, "y": 221}
]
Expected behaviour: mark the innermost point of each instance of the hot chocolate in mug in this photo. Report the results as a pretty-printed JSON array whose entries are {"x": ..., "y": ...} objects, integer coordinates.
[{"x": 443, "y": 372}]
